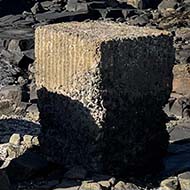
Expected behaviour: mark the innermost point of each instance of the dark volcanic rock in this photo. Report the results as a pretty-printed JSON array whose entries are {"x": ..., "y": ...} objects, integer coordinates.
[
  {"x": 37, "y": 8},
  {"x": 14, "y": 7},
  {"x": 182, "y": 44},
  {"x": 184, "y": 180}
]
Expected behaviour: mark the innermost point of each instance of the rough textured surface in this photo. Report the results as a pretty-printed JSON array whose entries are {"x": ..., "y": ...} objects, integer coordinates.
[
  {"x": 181, "y": 82},
  {"x": 101, "y": 91},
  {"x": 184, "y": 180}
]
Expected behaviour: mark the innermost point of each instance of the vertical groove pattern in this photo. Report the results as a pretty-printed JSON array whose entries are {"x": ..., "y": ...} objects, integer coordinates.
[{"x": 59, "y": 57}]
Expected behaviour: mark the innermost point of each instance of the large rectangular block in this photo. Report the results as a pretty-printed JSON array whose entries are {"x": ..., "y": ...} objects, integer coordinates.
[
  {"x": 181, "y": 81},
  {"x": 102, "y": 86}
]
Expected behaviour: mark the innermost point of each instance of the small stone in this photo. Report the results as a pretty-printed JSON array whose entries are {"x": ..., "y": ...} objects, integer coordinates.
[
  {"x": 170, "y": 184},
  {"x": 33, "y": 112},
  {"x": 184, "y": 180},
  {"x": 12, "y": 93},
  {"x": 139, "y": 20},
  {"x": 15, "y": 139},
  {"x": 14, "y": 55},
  {"x": 31, "y": 68},
  {"x": 35, "y": 141},
  {"x": 112, "y": 181},
  {"x": 131, "y": 186},
  {"x": 90, "y": 186},
  {"x": 3, "y": 151},
  {"x": 105, "y": 184},
  {"x": 27, "y": 140},
  {"x": 71, "y": 5},
  {"x": 46, "y": 4},
  {"x": 15, "y": 151},
  {"x": 37, "y": 8},
  {"x": 21, "y": 81},
  {"x": 120, "y": 186},
  {"x": 134, "y": 3}
]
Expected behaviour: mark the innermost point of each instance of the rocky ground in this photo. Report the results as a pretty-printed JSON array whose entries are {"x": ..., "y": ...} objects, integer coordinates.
[{"x": 22, "y": 165}]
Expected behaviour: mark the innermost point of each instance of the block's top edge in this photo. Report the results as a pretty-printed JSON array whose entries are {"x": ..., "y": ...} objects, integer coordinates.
[{"x": 101, "y": 30}]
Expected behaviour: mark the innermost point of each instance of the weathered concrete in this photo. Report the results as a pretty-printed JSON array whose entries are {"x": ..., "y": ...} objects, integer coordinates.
[{"x": 101, "y": 88}]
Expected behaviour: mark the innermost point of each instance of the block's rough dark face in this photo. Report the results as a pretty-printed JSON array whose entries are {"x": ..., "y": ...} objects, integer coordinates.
[{"x": 104, "y": 108}]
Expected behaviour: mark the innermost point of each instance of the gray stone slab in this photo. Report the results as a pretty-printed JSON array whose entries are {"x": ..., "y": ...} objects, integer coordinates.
[
  {"x": 16, "y": 33},
  {"x": 180, "y": 132}
]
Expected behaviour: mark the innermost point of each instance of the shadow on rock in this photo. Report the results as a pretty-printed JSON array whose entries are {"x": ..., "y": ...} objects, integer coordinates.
[
  {"x": 69, "y": 132},
  {"x": 30, "y": 164}
]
